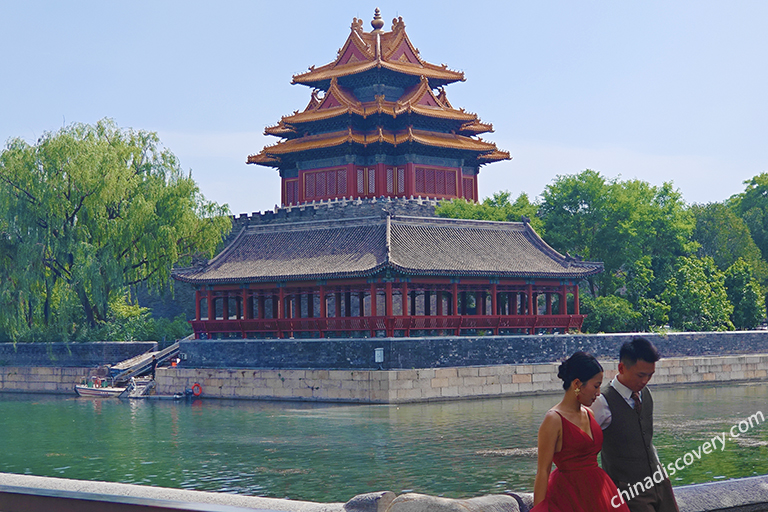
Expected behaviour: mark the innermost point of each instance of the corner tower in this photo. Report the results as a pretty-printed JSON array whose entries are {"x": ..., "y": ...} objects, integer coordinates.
[{"x": 378, "y": 123}]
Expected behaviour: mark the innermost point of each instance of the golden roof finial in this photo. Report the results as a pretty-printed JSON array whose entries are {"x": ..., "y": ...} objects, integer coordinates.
[{"x": 377, "y": 22}]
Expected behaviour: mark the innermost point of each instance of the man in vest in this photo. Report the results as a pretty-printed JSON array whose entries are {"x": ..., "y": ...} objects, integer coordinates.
[{"x": 624, "y": 411}]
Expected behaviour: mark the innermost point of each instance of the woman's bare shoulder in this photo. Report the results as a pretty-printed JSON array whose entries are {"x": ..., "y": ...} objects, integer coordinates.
[{"x": 552, "y": 419}]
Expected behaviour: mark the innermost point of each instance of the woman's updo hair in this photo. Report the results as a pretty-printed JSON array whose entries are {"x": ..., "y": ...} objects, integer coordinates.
[{"x": 580, "y": 366}]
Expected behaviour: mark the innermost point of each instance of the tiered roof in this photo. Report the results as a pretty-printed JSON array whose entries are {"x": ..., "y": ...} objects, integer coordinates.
[
  {"x": 364, "y": 51},
  {"x": 412, "y": 89},
  {"x": 361, "y": 247}
]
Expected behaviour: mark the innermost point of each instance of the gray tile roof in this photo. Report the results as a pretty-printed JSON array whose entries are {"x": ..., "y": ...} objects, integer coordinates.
[{"x": 358, "y": 247}]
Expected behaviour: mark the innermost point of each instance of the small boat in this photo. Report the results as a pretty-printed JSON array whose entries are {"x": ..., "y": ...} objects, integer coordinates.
[
  {"x": 99, "y": 385},
  {"x": 98, "y": 392}
]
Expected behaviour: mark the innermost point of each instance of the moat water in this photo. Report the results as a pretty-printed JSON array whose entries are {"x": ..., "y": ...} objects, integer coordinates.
[{"x": 330, "y": 453}]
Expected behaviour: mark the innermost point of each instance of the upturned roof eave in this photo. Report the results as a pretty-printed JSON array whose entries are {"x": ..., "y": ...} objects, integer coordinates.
[{"x": 389, "y": 265}]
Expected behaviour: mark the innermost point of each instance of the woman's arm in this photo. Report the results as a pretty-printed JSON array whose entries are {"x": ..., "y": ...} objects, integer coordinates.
[{"x": 549, "y": 434}]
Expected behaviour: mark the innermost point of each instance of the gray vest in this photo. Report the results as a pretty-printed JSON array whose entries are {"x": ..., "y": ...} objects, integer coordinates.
[{"x": 628, "y": 455}]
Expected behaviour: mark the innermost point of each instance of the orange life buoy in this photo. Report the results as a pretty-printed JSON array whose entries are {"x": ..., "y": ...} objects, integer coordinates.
[
  {"x": 197, "y": 389},
  {"x": 97, "y": 382}
]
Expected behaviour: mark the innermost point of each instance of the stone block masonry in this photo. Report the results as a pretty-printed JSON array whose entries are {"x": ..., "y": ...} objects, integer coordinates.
[
  {"x": 451, "y": 351},
  {"x": 421, "y": 385},
  {"x": 57, "y": 367},
  {"x": 414, "y": 370},
  {"x": 40, "y": 379}
]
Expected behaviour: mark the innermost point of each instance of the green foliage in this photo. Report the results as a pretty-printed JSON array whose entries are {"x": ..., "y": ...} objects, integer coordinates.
[
  {"x": 752, "y": 206},
  {"x": 745, "y": 295},
  {"x": 692, "y": 268},
  {"x": 87, "y": 212},
  {"x": 609, "y": 314},
  {"x": 495, "y": 208},
  {"x": 725, "y": 237},
  {"x": 697, "y": 296},
  {"x": 130, "y": 322},
  {"x": 618, "y": 223}
]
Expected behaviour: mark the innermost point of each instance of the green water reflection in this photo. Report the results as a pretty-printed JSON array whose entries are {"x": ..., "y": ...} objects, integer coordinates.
[{"x": 333, "y": 452}]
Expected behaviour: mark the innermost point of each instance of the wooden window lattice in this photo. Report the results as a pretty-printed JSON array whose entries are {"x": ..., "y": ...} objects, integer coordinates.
[
  {"x": 469, "y": 188},
  {"x": 435, "y": 182},
  {"x": 361, "y": 181},
  {"x": 291, "y": 191},
  {"x": 371, "y": 181},
  {"x": 325, "y": 184}
]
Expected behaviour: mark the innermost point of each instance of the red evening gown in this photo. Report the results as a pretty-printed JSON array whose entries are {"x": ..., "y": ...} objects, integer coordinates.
[{"x": 578, "y": 484}]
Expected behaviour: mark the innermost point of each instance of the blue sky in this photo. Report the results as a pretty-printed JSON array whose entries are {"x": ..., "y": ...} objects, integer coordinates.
[{"x": 654, "y": 90}]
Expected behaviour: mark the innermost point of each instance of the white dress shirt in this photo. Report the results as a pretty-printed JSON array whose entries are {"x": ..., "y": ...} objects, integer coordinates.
[{"x": 600, "y": 409}]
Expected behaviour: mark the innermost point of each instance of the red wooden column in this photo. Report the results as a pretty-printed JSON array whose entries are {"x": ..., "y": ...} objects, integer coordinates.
[
  {"x": 494, "y": 307},
  {"x": 338, "y": 304},
  {"x": 351, "y": 180},
  {"x": 280, "y": 310},
  {"x": 300, "y": 189},
  {"x": 247, "y": 311},
  {"x": 549, "y": 303},
  {"x": 576, "y": 299},
  {"x": 287, "y": 305},
  {"x": 388, "y": 309},
  {"x": 563, "y": 309},
  {"x": 198, "y": 298},
  {"x": 410, "y": 179},
  {"x": 530, "y": 306},
  {"x": 439, "y": 301},
  {"x": 321, "y": 323},
  {"x": 381, "y": 180},
  {"x": 262, "y": 304},
  {"x": 323, "y": 304},
  {"x": 406, "y": 311},
  {"x": 455, "y": 305},
  {"x": 374, "y": 311}
]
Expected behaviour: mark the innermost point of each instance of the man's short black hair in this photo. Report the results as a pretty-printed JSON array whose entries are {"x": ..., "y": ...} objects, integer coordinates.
[{"x": 638, "y": 348}]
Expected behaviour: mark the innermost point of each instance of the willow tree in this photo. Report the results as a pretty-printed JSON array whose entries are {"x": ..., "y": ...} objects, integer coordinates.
[{"x": 88, "y": 211}]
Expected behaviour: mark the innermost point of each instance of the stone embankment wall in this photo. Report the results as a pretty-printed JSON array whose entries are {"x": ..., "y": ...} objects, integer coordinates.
[
  {"x": 416, "y": 385},
  {"x": 451, "y": 351},
  {"x": 414, "y": 369},
  {"x": 57, "y": 367}
]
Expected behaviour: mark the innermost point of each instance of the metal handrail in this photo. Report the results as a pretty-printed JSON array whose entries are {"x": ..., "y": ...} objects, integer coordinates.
[{"x": 146, "y": 363}]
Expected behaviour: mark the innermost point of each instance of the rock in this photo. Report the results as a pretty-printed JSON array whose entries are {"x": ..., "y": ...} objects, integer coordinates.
[
  {"x": 525, "y": 499},
  {"x": 413, "y": 502},
  {"x": 370, "y": 502}
]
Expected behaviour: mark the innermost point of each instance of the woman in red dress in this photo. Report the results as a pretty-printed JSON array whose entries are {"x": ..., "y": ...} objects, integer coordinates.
[{"x": 570, "y": 437}]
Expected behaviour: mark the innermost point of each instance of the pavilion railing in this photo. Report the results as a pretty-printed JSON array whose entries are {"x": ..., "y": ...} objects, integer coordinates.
[{"x": 390, "y": 325}]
